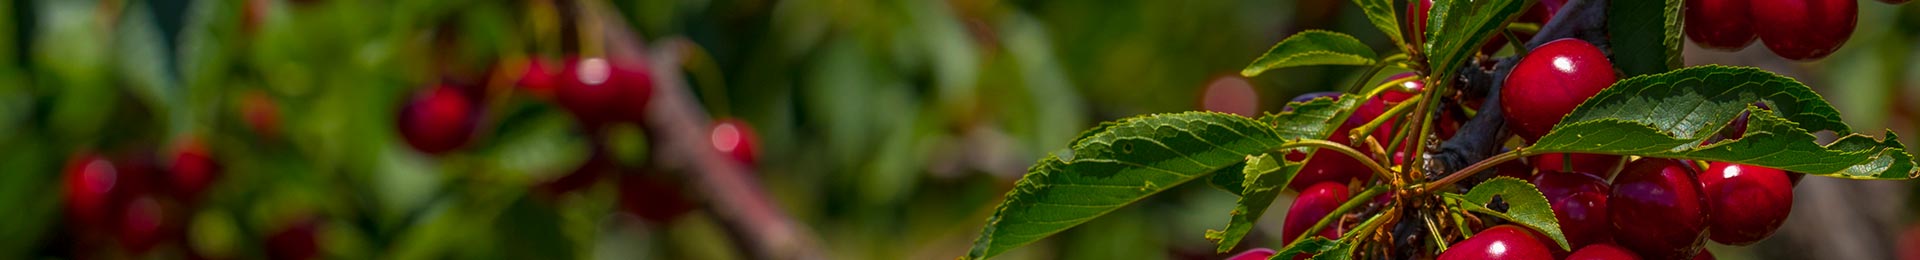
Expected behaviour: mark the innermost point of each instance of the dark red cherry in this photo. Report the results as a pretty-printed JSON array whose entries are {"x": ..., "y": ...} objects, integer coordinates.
[
  {"x": 1498, "y": 242},
  {"x": 1704, "y": 255},
  {"x": 540, "y": 78},
  {"x": 1658, "y": 209},
  {"x": 1255, "y": 254},
  {"x": 1416, "y": 31},
  {"x": 297, "y": 240},
  {"x": 193, "y": 168},
  {"x": 1599, "y": 165},
  {"x": 1313, "y": 204},
  {"x": 1232, "y": 95},
  {"x": 90, "y": 181},
  {"x": 1719, "y": 24},
  {"x": 584, "y": 90},
  {"x": 1549, "y": 82},
  {"x": 1579, "y": 203},
  {"x": 1804, "y": 30},
  {"x": 438, "y": 120},
  {"x": 1604, "y": 251},
  {"x": 142, "y": 223},
  {"x": 654, "y": 197},
  {"x": 1748, "y": 202},
  {"x": 635, "y": 85},
  {"x": 736, "y": 139}
]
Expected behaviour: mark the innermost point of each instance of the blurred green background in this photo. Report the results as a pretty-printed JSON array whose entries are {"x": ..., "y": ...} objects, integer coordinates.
[{"x": 888, "y": 129}]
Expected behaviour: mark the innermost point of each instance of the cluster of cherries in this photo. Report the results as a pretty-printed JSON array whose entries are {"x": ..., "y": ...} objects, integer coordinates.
[
  {"x": 1801, "y": 30},
  {"x": 1647, "y": 208},
  {"x": 142, "y": 199}
]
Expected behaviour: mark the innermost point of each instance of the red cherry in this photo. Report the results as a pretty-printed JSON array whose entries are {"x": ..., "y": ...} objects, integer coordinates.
[
  {"x": 1704, "y": 255},
  {"x": 1748, "y": 202},
  {"x": 1255, "y": 254},
  {"x": 635, "y": 86},
  {"x": 193, "y": 168},
  {"x": 1549, "y": 82},
  {"x": 438, "y": 120},
  {"x": 736, "y": 139},
  {"x": 142, "y": 224},
  {"x": 1599, "y": 165},
  {"x": 90, "y": 181},
  {"x": 585, "y": 91},
  {"x": 654, "y": 198},
  {"x": 1328, "y": 166},
  {"x": 1658, "y": 207},
  {"x": 1498, "y": 242},
  {"x": 1514, "y": 168},
  {"x": 1314, "y": 203},
  {"x": 1604, "y": 252},
  {"x": 540, "y": 78},
  {"x": 297, "y": 240},
  {"x": 1579, "y": 203},
  {"x": 1233, "y": 95},
  {"x": 1719, "y": 24},
  {"x": 1416, "y": 31},
  {"x": 1804, "y": 30}
]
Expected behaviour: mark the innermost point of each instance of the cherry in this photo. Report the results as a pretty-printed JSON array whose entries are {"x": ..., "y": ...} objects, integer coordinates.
[
  {"x": 1254, "y": 254},
  {"x": 1232, "y": 95},
  {"x": 1314, "y": 203},
  {"x": 654, "y": 198},
  {"x": 193, "y": 168},
  {"x": 438, "y": 120},
  {"x": 584, "y": 90},
  {"x": 1514, "y": 168},
  {"x": 1549, "y": 82},
  {"x": 142, "y": 223},
  {"x": 1748, "y": 202},
  {"x": 539, "y": 78},
  {"x": 1657, "y": 203},
  {"x": 90, "y": 181},
  {"x": 1719, "y": 24},
  {"x": 1804, "y": 30},
  {"x": 260, "y": 113},
  {"x": 1579, "y": 203},
  {"x": 1416, "y": 31},
  {"x": 297, "y": 240},
  {"x": 736, "y": 138},
  {"x": 1704, "y": 255},
  {"x": 1498, "y": 242},
  {"x": 636, "y": 90},
  {"x": 1604, "y": 252},
  {"x": 1599, "y": 165}
]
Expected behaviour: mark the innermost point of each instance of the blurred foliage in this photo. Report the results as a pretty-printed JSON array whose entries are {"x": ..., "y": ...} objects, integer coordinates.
[{"x": 890, "y": 128}]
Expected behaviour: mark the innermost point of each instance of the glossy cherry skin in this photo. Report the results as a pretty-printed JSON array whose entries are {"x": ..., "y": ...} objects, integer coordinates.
[
  {"x": 1599, "y": 165},
  {"x": 1255, "y": 254},
  {"x": 1748, "y": 202},
  {"x": 1579, "y": 203},
  {"x": 585, "y": 89},
  {"x": 1804, "y": 30},
  {"x": 1719, "y": 24},
  {"x": 91, "y": 182},
  {"x": 1549, "y": 82},
  {"x": 438, "y": 120},
  {"x": 1232, "y": 95},
  {"x": 1313, "y": 204},
  {"x": 1704, "y": 255},
  {"x": 1603, "y": 252},
  {"x": 1498, "y": 242},
  {"x": 1658, "y": 208},
  {"x": 193, "y": 169},
  {"x": 736, "y": 139}
]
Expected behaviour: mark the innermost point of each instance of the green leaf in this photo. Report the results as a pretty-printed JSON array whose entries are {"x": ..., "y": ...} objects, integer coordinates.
[
  {"x": 1312, "y": 245},
  {"x": 1525, "y": 205},
  {"x": 1645, "y": 36},
  {"x": 1312, "y": 47},
  {"x": 1117, "y": 164},
  {"x": 1456, "y": 28},
  {"x": 1265, "y": 175},
  {"x": 1669, "y": 115},
  {"x": 1382, "y": 14}
]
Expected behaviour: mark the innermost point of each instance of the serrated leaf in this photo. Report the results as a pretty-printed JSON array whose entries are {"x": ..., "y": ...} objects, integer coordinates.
[
  {"x": 1456, "y": 28},
  {"x": 1525, "y": 205},
  {"x": 1312, "y": 245},
  {"x": 1226, "y": 181},
  {"x": 1669, "y": 115},
  {"x": 1383, "y": 16},
  {"x": 1645, "y": 36},
  {"x": 1265, "y": 176},
  {"x": 1310, "y": 48},
  {"x": 1117, "y": 164}
]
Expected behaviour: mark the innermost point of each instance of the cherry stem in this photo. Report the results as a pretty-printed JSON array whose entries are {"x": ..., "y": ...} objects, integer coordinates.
[
  {"x": 1358, "y": 132},
  {"x": 1363, "y": 198},
  {"x": 1378, "y": 171},
  {"x": 1489, "y": 163}
]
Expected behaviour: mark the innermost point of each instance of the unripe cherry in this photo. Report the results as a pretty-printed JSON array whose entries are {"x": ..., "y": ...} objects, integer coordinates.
[
  {"x": 1498, "y": 242},
  {"x": 1603, "y": 252},
  {"x": 1314, "y": 203},
  {"x": 1579, "y": 203},
  {"x": 1748, "y": 202},
  {"x": 1804, "y": 30},
  {"x": 1549, "y": 82},
  {"x": 1658, "y": 208},
  {"x": 1719, "y": 24}
]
